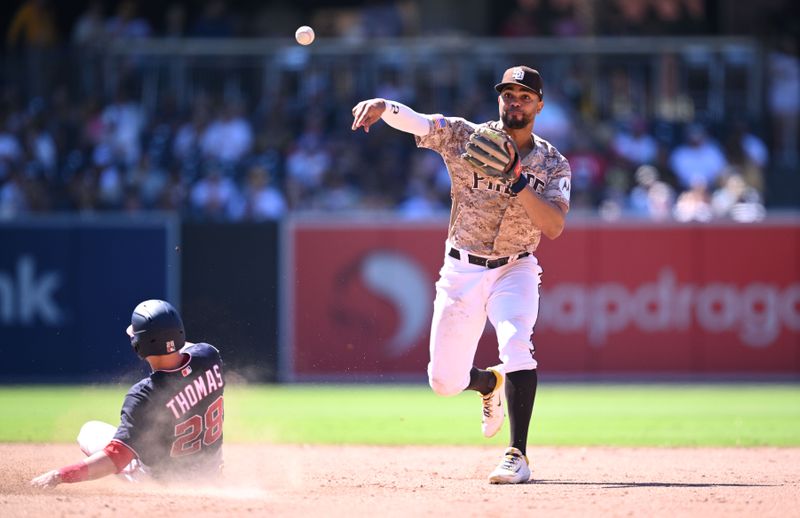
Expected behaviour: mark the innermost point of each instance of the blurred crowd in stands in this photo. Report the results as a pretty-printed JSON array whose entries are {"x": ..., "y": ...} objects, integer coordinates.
[{"x": 230, "y": 158}]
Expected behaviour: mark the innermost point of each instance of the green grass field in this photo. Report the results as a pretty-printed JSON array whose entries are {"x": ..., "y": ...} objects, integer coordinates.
[{"x": 565, "y": 414}]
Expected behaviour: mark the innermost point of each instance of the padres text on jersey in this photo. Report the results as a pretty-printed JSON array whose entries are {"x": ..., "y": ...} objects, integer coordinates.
[{"x": 486, "y": 218}]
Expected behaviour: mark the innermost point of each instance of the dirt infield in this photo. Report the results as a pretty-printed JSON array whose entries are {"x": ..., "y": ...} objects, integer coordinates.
[{"x": 267, "y": 480}]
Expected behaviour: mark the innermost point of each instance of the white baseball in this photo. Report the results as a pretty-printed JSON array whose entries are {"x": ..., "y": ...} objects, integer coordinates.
[{"x": 304, "y": 35}]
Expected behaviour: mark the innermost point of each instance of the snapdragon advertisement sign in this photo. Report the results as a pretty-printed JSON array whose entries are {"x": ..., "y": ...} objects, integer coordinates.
[
  {"x": 67, "y": 289},
  {"x": 614, "y": 299},
  {"x": 673, "y": 298}
]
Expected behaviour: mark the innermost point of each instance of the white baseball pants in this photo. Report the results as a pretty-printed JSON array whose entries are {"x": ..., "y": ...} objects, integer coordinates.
[
  {"x": 466, "y": 294},
  {"x": 95, "y": 435}
]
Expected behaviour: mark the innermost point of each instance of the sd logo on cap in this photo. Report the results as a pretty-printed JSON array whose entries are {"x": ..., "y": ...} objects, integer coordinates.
[{"x": 523, "y": 76}]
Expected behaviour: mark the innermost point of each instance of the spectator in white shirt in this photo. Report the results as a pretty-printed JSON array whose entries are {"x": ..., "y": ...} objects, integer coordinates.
[
  {"x": 636, "y": 146},
  {"x": 229, "y": 137},
  {"x": 214, "y": 196},
  {"x": 262, "y": 200},
  {"x": 699, "y": 162},
  {"x": 124, "y": 121}
]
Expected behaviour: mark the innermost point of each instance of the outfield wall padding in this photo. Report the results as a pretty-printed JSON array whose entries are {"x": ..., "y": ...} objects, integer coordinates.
[
  {"x": 617, "y": 298},
  {"x": 68, "y": 285}
]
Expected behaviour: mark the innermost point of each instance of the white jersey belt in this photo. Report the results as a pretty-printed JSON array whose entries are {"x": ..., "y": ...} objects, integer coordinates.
[{"x": 485, "y": 261}]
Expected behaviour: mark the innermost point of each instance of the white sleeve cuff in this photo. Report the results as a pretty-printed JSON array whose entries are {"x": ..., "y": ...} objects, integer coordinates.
[{"x": 401, "y": 117}]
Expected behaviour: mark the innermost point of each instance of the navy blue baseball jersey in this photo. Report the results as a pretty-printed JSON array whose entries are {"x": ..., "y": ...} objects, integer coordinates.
[{"x": 172, "y": 420}]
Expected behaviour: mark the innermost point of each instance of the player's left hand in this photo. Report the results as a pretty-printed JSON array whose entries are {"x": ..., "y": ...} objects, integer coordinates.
[
  {"x": 47, "y": 480},
  {"x": 492, "y": 152}
]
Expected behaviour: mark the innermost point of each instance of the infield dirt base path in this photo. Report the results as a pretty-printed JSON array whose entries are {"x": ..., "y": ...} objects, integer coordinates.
[{"x": 353, "y": 481}]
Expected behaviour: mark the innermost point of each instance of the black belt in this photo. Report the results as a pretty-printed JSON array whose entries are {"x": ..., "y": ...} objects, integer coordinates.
[{"x": 484, "y": 261}]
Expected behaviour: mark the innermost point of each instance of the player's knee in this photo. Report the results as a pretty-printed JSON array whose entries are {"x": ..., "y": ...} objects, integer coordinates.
[
  {"x": 94, "y": 435},
  {"x": 514, "y": 333},
  {"x": 444, "y": 387},
  {"x": 86, "y": 436},
  {"x": 89, "y": 429}
]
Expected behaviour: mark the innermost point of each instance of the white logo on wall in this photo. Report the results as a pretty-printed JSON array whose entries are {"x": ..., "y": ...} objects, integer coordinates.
[
  {"x": 402, "y": 281},
  {"x": 756, "y": 312},
  {"x": 24, "y": 296}
]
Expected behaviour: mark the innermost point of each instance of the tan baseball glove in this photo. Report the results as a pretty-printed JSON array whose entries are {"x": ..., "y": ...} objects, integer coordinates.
[{"x": 494, "y": 153}]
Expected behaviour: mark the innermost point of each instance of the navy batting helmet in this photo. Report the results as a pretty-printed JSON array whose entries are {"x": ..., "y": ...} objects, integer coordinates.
[{"x": 156, "y": 329}]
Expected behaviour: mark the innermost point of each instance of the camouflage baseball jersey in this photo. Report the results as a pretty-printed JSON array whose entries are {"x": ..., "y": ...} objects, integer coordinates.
[
  {"x": 486, "y": 218},
  {"x": 173, "y": 419}
]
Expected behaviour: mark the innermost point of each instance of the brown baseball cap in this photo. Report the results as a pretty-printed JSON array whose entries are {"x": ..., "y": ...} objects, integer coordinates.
[{"x": 523, "y": 76}]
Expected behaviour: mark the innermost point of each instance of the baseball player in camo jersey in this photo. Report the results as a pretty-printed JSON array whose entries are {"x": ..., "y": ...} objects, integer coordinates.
[
  {"x": 171, "y": 421},
  {"x": 509, "y": 186}
]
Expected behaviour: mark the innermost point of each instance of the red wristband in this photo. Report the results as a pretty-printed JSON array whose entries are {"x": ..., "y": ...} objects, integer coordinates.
[{"x": 74, "y": 473}]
